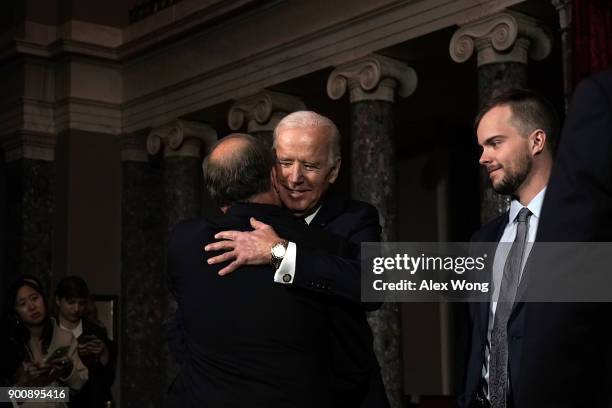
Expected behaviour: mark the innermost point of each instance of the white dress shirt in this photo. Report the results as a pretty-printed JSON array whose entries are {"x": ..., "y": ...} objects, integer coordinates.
[
  {"x": 535, "y": 206},
  {"x": 286, "y": 270}
]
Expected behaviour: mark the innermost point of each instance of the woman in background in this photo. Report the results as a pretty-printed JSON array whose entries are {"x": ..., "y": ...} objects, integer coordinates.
[
  {"x": 94, "y": 347},
  {"x": 35, "y": 351}
]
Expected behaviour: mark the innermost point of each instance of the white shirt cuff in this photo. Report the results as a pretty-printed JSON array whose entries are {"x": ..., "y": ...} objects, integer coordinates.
[{"x": 286, "y": 270}]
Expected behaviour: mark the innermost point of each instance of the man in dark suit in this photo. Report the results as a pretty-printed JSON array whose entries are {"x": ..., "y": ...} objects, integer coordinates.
[
  {"x": 516, "y": 131},
  {"x": 307, "y": 149},
  {"x": 246, "y": 342},
  {"x": 567, "y": 356}
]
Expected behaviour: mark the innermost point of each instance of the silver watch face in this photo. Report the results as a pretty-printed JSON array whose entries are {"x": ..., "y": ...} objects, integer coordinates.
[{"x": 278, "y": 250}]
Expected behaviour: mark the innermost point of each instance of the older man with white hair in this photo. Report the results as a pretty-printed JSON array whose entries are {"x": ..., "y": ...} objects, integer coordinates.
[{"x": 308, "y": 158}]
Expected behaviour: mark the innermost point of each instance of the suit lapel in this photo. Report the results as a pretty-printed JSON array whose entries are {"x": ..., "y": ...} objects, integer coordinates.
[{"x": 331, "y": 207}]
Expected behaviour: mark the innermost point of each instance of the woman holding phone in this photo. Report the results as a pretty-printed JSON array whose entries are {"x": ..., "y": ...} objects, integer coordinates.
[{"x": 37, "y": 352}]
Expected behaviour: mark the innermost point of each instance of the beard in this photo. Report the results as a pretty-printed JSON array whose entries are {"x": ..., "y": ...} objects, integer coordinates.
[{"x": 515, "y": 175}]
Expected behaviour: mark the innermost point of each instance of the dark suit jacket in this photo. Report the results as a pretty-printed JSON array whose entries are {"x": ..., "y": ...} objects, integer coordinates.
[
  {"x": 97, "y": 390},
  {"x": 566, "y": 360},
  {"x": 479, "y": 316},
  {"x": 357, "y": 378},
  {"x": 353, "y": 221},
  {"x": 248, "y": 341}
]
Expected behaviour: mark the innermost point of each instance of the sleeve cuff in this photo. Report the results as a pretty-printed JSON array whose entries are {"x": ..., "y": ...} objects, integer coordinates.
[{"x": 286, "y": 271}]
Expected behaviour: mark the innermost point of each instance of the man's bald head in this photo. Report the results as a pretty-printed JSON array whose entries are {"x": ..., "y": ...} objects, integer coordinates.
[{"x": 237, "y": 168}]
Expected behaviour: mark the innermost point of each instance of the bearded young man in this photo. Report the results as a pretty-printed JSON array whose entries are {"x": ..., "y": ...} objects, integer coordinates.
[{"x": 516, "y": 130}]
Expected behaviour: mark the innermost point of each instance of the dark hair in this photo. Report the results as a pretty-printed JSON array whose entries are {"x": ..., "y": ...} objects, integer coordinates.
[
  {"x": 14, "y": 345},
  {"x": 530, "y": 111},
  {"x": 72, "y": 287},
  {"x": 241, "y": 175}
]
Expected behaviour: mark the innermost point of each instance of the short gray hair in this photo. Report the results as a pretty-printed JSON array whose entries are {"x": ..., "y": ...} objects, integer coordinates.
[
  {"x": 239, "y": 175},
  {"x": 310, "y": 119}
]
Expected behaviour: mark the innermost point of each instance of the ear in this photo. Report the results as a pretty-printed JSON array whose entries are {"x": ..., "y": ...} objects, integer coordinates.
[
  {"x": 273, "y": 178},
  {"x": 538, "y": 141},
  {"x": 333, "y": 174}
]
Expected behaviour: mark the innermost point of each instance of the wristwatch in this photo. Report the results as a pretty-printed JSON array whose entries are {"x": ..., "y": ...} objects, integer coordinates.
[{"x": 278, "y": 252}]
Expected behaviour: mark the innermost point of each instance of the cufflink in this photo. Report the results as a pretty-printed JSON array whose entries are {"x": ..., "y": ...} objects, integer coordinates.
[{"x": 286, "y": 278}]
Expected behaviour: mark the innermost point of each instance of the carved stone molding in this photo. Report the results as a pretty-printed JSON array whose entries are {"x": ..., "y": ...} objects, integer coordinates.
[
  {"x": 372, "y": 78},
  {"x": 503, "y": 37},
  {"x": 180, "y": 138},
  {"x": 28, "y": 145},
  {"x": 262, "y": 111},
  {"x": 87, "y": 115}
]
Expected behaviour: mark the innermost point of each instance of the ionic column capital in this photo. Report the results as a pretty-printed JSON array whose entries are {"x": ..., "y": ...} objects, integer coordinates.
[
  {"x": 372, "y": 78},
  {"x": 503, "y": 37},
  {"x": 180, "y": 138},
  {"x": 262, "y": 111}
]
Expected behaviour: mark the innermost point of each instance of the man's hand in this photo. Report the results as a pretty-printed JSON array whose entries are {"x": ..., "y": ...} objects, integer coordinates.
[{"x": 244, "y": 247}]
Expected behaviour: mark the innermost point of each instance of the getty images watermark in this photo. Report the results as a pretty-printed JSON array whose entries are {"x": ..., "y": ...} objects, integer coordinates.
[{"x": 472, "y": 272}]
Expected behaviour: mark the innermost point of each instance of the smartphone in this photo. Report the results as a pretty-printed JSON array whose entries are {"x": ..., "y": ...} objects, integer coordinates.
[
  {"x": 86, "y": 338},
  {"x": 57, "y": 353}
]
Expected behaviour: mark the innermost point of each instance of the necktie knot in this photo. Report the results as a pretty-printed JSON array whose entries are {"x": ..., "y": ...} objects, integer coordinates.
[{"x": 523, "y": 215}]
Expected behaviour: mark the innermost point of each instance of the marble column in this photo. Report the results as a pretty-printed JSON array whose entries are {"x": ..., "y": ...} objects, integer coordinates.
[
  {"x": 372, "y": 83},
  {"x": 30, "y": 204},
  {"x": 503, "y": 43},
  {"x": 142, "y": 276},
  {"x": 181, "y": 143},
  {"x": 261, "y": 113}
]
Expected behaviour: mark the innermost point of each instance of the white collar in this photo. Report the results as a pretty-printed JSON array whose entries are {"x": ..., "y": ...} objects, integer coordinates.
[
  {"x": 77, "y": 331},
  {"x": 535, "y": 206},
  {"x": 311, "y": 216}
]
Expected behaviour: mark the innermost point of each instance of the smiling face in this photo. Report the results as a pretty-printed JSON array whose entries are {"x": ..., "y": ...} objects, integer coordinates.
[
  {"x": 30, "y": 306},
  {"x": 71, "y": 309},
  {"x": 505, "y": 152},
  {"x": 303, "y": 169}
]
